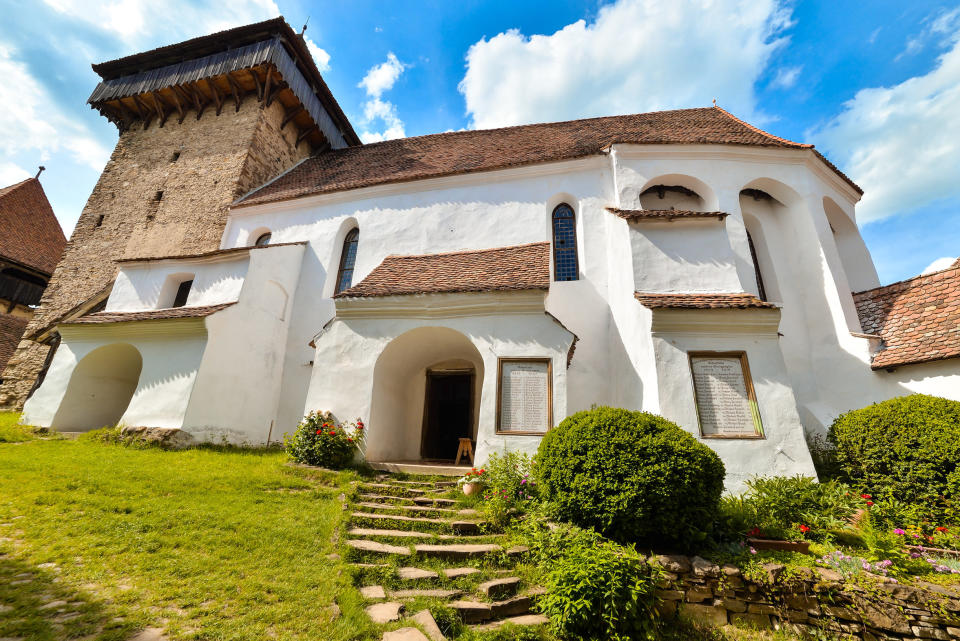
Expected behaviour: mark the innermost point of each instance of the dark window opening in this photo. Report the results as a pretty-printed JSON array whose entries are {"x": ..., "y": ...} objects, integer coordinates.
[
  {"x": 99, "y": 220},
  {"x": 756, "y": 268},
  {"x": 565, "y": 263},
  {"x": 348, "y": 258},
  {"x": 263, "y": 240},
  {"x": 183, "y": 291},
  {"x": 756, "y": 194}
]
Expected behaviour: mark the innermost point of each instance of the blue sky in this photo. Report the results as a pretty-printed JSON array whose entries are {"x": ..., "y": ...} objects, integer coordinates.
[{"x": 875, "y": 86}]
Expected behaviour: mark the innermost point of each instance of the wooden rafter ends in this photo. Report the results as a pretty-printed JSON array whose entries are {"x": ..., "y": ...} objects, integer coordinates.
[
  {"x": 145, "y": 112},
  {"x": 290, "y": 115},
  {"x": 162, "y": 112},
  {"x": 267, "y": 85},
  {"x": 216, "y": 94},
  {"x": 256, "y": 82},
  {"x": 305, "y": 133},
  {"x": 198, "y": 103},
  {"x": 234, "y": 89},
  {"x": 178, "y": 105}
]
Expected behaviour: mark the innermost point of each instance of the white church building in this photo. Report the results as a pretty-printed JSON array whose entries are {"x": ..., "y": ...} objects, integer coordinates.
[{"x": 486, "y": 284}]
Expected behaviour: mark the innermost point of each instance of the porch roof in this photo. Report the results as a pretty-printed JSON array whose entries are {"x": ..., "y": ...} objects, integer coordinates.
[
  {"x": 153, "y": 314},
  {"x": 522, "y": 267},
  {"x": 741, "y": 300}
]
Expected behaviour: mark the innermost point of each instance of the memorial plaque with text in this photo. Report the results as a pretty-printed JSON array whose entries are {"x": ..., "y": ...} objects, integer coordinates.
[
  {"x": 724, "y": 396},
  {"x": 524, "y": 396}
]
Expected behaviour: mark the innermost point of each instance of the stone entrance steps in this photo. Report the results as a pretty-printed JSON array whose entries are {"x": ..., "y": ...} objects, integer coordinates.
[{"x": 411, "y": 545}]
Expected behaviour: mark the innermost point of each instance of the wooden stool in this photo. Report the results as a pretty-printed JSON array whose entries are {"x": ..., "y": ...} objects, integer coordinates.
[{"x": 465, "y": 449}]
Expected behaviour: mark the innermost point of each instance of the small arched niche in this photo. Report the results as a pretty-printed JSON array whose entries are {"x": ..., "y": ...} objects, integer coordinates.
[
  {"x": 175, "y": 290},
  {"x": 677, "y": 192},
  {"x": 761, "y": 216},
  {"x": 100, "y": 389},
  {"x": 259, "y": 237},
  {"x": 856, "y": 261}
]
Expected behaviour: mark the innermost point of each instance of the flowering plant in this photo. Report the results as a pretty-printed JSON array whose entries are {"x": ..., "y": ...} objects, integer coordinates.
[
  {"x": 848, "y": 565},
  {"x": 473, "y": 476},
  {"x": 321, "y": 440}
]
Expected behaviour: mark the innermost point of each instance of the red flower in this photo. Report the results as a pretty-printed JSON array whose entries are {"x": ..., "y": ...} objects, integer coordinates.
[
  {"x": 332, "y": 433},
  {"x": 865, "y": 496},
  {"x": 754, "y": 532},
  {"x": 941, "y": 529},
  {"x": 869, "y": 503},
  {"x": 318, "y": 431},
  {"x": 349, "y": 440},
  {"x": 359, "y": 427},
  {"x": 804, "y": 529}
]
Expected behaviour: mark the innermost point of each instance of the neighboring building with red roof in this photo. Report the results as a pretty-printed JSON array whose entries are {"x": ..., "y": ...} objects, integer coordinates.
[
  {"x": 31, "y": 242},
  {"x": 474, "y": 285}
]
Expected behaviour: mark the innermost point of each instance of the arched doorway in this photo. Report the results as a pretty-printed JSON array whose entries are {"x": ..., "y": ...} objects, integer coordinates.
[
  {"x": 100, "y": 389},
  {"x": 426, "y": 396}
]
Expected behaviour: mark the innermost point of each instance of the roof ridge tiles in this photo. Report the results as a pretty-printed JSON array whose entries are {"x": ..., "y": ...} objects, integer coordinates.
[{"x": 761, "y": 131}]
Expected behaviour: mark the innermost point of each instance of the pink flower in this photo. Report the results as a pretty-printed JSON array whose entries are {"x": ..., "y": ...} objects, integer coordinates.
[{"x": 899, "y": 532}]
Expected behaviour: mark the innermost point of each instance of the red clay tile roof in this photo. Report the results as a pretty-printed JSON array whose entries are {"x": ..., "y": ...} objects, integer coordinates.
[
  {"x": 29, "y": 232},
  {"x": 918, "y": 319},
  {"x": 11, "y": 329},
  {"x": 460, "y": 152},
  {"x": 154, "y": 314},
  {"x": 702, "y": 301},
  {"x": 484, "y": 270},
  {"x": 664, "y": 214},
  {"x": 210, "y": 254}
]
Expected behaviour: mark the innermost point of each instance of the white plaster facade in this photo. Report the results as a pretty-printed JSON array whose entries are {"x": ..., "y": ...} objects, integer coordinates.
[{"x": 287, "y": 346}]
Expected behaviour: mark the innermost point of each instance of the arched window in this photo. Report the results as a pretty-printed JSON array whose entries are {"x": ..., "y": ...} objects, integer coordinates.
[
  {"x": 565, "y": 265},
  {"x": 348, "y": 257},
  {"x": 263, "y": 239},
  {"x": 756, "y": 268}
]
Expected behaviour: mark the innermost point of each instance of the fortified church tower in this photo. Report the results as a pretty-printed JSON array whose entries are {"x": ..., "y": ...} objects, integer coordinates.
[{"x": 201, "y": 123}]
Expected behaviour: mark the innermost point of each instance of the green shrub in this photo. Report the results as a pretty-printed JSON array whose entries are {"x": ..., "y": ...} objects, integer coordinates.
[
  {"x": 322, "y": 441},
  {"x": 632, "y": 476},
  {"x": 907, "y": 449},
  {"x": 596, "y": 589},
  {"x": 777, "y": 506},
  {"x": 508, "y": 486}
]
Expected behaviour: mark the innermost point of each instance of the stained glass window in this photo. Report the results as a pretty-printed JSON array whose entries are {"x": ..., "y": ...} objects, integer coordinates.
[
  {"x": 565, "y": 265},
  {"x": 347, "y": 259}
]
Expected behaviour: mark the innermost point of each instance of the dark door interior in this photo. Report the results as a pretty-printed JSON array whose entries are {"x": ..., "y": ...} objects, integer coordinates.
[{"x": 448, "y": 414}]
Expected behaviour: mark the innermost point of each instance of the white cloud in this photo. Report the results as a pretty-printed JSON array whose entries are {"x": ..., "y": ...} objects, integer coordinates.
[
  {"x": 381, "y": 77},
  {"x": 163, "y": 21},
  {"x": 320, "y": 56},
  {"x": 378, "y": 80},
  {"x": 11, "y": 173},
  {"x": 786, "y": 77},
  {"x": 901, "y": 144},
  {"x": 638, "y": 55},
  {"x": 938, "y": 264},
  {"x": 31, "y": 122}
]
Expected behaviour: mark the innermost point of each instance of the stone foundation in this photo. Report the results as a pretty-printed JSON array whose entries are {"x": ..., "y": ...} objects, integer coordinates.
[
  {"x": 165, "y": 437},
  {"x": 807, "y": 601}
]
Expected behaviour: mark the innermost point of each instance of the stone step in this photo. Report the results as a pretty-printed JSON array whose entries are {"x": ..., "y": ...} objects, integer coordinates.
[
  {"x": 392, "y": 490},
  {"x": 458, "y": 527},
  {"x": 373, "y": 592},
  {"x": 413, "y": 574},
  {"x": 386, "y": 498},
  {"x": 429, "y": 594},
  {"x": 522, "y": 620},
  {"x": 429, "y": 500},
  {"x": 419, "y": 509},
  {"x": 456, "y": 573},
  {"x": 412, "y": 534},
  {"x": 500, "y": 588},
  {"x": 457, "y": 551},
  {"x": 479, "y": 612},
  {"x": 405, "y": 634},
  {"x": 384, "y": 612},
  {"x": 379, "y": 548},
  {"x": 429, "y": 625}
]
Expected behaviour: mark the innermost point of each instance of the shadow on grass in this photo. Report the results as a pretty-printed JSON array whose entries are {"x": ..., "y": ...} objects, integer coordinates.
[{"x": 35, "y": 606}]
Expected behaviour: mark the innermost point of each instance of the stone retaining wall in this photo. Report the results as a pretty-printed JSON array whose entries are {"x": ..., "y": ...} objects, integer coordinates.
[{"x": 807, "y": 600}]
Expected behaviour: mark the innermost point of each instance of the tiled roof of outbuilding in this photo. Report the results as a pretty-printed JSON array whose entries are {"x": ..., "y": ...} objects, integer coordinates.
[
  {"x": 918, "y": 319},
  {"x": 460, "y": 152},
  {"x": 655, "y": 215},
  {"x": 153, "y": 314},
  {"x": 741, "y": 300},
  {"x": 30, "y": 234},
  {"x": 485, "y": 270},
  {"x": 11, "y": 329}
]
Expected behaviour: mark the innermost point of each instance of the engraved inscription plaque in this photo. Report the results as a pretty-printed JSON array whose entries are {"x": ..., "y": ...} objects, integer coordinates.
[
  {"x": 524, "y": 396},
  {"x": 724, "y": 396}
]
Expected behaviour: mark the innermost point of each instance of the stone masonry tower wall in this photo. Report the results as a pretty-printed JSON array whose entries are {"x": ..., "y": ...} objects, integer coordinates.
[
  {"x": 199, "y": 167},
  {"x": 201, "y": 123}
]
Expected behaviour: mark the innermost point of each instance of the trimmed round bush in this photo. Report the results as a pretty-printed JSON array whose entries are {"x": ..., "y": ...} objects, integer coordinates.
[
  {"x": 907, "y": 449},
  {"x": 632, "y": 476}
]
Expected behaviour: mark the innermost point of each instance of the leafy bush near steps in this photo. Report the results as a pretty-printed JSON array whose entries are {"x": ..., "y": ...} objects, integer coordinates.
[
  {"x": 596, "y": 589},
  {"x": 632, "y": 476},
  {"x": 905, "y": 449},
  {"x": 322, "y": 441},
  {"x": 508, "y": 486}
]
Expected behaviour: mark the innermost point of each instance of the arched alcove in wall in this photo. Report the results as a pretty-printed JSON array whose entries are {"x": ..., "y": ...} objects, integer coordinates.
[
  {"x": 425, "y": 370},
  {"x": 100, "y": 389},
  {"x": 765, "y": 205},
  {"x": 678, "y": 191},
  {"x": 861, "y": 273}
]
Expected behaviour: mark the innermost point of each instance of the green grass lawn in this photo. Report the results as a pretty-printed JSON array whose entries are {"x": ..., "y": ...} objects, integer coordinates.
[
  {"x": 206, "y": 543},
  {"x": 11, "y": 431}
]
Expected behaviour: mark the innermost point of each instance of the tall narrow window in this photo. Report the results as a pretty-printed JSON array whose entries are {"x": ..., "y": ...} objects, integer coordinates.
[
  {"x": 565, "y": 265},
  {"x": 756, "y": 268},
  {"x": 348, "y": 257},
  {"x": 183, "y": 291}
]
